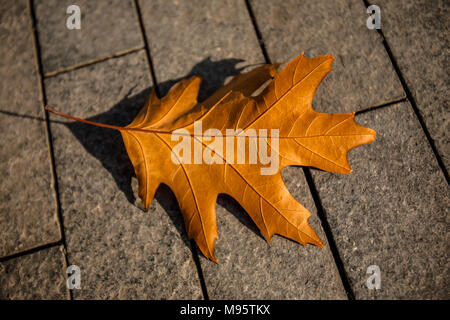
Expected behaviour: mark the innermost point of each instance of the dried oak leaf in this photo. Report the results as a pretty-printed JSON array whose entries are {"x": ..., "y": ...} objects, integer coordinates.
[{"x": 306, "y": 138}]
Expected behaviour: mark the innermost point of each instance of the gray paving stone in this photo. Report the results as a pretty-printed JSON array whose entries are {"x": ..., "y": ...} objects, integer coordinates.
[
  {"x": 36, "y": 276},
  {"x": 27, "y": 206},
  {"x": 417, "y": 32},
  {"x": 363, "y": 75},
  {"x": 215, "y": 39},
  {"x": 212, "y": 39},
  {"x": 107, "y": 27},
  {"x": 122, "y": 251},
  {"x": 251, "y": 268},
  {"x": 392, "y": 210}
]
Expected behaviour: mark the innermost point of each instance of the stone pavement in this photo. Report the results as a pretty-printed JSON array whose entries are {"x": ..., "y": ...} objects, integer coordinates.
[{"x": 69, "y": 194}]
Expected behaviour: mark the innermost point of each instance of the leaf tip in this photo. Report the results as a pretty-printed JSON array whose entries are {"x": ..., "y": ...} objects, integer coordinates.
[
  {"x": 320, "y": 244},
  {"x": 374, "y": 134},
  {"x": 330, "y": 57},
  {"x": 211, "y": 255},
  {"x": 268, "y": 238},
  {"x": 316, "y": 241}
]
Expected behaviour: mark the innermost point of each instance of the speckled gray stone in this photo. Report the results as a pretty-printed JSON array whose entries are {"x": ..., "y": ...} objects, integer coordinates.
[
  {"x": 251, "y": 268},
  {"x": 417, "y": 33},
  {"x": 107, "y": 27},
  {"x": 392, "y": 210},
  {"x": 27, "y": 205},
  {"x": 362, "y": 74},
  {"x": 122, "y": 251},
  {"x": 215, "y": 39},
  {"x": 212, "y": 39},
  {"x": 36, "y": 276}
]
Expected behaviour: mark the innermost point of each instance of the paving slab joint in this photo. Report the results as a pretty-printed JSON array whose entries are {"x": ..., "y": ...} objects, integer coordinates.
[
  {"x": 40, "y": 73},
  {"x": 412, "y": 101}
]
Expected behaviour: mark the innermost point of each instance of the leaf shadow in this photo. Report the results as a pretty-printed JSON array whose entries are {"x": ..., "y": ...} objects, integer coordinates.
[
  {"x": 166, "y": 198},
  {"x": 232, "y": 206}
]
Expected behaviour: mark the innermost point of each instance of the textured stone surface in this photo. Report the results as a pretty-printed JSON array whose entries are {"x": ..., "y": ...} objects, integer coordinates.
[
  {"x": 40, "y": 275},
  {"x": 27, "y": 206},
  {"x": 107, "y": 27},
  {"x": 212, "y": 39},
  {"x": 210, "y": 42},
  {"x": 417, "y": 33},
  {"x": 251, "y": 268},
  {"x": 392, "y": 210},
  {"x": 123, "y": 252},
  {"x": 363, "y": 75}
]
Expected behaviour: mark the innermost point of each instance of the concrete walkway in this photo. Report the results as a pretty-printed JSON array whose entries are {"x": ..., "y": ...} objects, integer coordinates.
[{"x": 68, "y": 194}]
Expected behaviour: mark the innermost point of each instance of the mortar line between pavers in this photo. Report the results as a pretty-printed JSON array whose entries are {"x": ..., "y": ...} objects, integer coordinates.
[
  {"x": 258, "y": 33},
  {"x": 411, "y": 100},
  {"x": 381, "y": 105},
  {"x": 192, "y": 247},
  {"x": 329, "y": 234},
  {"x": 93, "y": 61},
  {"x": 146, "y": 46},
  {"x": 312, "y": 188},
  {"x": 31, "y": 250},
  {"x": 38, "y": 61}
]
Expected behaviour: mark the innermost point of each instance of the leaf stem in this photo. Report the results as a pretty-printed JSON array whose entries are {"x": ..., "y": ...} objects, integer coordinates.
[
  {"x": 104, "y": 125},
  {"x": 83, "y": 120}
]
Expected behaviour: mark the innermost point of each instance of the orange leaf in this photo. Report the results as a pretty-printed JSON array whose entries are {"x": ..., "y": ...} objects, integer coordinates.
[{"x": 302, "y": 137}]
